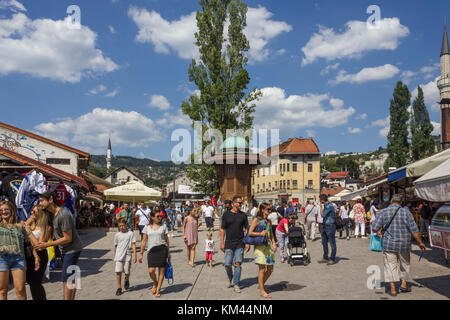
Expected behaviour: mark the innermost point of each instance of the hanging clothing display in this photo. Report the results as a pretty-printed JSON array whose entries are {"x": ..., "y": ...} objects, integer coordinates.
[
  {"x": 65, "y": 196},
  {"x": 9, "y": 186},
  {"x": 27, "y": 197}
]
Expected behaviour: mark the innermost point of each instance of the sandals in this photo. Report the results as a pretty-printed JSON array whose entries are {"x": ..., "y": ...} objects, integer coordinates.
[
  {"x": 266, "y": 295},
  {"x": 157, "y": 295},
  {"x": 154, "y": 288}
]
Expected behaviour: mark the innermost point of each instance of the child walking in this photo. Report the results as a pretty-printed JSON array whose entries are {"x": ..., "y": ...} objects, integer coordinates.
[
  {"x": 209, "y": 248},
  {"x": 124, "y": 246}
]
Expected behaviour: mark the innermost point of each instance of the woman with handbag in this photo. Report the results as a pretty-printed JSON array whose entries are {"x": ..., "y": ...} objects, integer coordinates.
[
  {"x": 282, "y": 234},
  {"x": 40, "y": 227},
  {"x": 265, "y": 252}
]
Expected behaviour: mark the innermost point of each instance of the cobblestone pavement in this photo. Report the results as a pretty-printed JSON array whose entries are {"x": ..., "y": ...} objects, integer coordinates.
[{"x": 345, "y": 280}]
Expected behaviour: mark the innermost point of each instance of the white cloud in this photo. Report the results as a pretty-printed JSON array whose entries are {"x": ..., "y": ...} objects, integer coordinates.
[
  {"x": 385, "y": 124},
  {"x": 112, "y": 94},
  {"x": 367, "y": 74},
  {"x": 311, "y": 133},
  {"x": 356, "y": 40},
  {"x": 354, "y": 130},
  {"x": 384, "y": 131},
  {"x": 171, "y": 120},
  {"x": 329, "y": 68},
  {"x": 296, "y": 112},
  {"x": 160, "y": 102},
  {"x": 178, "y": 35},
  {"x": 362, "y": 116},
  {"x": 437, "y": 128},
  {"x": 431, "y": 94},
  {"x": 47, "y": 48},
  {"x": 426, "y": 71},
  {"x": 98, "y": 89},
  {"x": 89, "y": 132},
  {"x": 12, "y": 5},
  {"x": 336, "y": 103},
  {"x": 331, "y": 153},
  {"x": 281, "y": 52},
  {"x": 112, "y": 30}
]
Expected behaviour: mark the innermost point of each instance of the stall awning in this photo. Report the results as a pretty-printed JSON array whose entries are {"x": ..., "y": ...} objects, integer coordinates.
[
  {"x": 358, "y": 193},
  {"x": 421, "y": 167},
  {"x": 435, "y": 185},
  {"x": 132, "y": 191},
  {"x": 45, "y": 168},
  {"x": 371, "y": 186}
]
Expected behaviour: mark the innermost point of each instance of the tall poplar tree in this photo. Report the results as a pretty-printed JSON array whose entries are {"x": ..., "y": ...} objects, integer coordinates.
[
  {"x": 422, "y": 143},
  {"x": 220, "y": 75},
  {"x": 398, "y": 146}
]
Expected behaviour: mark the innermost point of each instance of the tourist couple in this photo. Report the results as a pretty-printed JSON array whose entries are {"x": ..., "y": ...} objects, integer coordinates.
[{"x": 234, "y": 224}]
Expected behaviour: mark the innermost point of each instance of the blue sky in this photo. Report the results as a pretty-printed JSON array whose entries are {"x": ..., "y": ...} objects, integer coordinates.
[{"x": 123, "y": 74}]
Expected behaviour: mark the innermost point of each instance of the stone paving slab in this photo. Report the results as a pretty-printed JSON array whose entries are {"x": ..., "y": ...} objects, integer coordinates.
[{"x": 345, "y": 280}]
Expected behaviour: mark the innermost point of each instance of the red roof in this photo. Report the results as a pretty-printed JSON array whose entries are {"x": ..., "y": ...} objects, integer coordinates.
[
  {"x": 332, "y": 191},
  {"x": 37, "y": 137},
  {"x": 338, "y": 175},
  {"x": 378, "y": 177},
  {"x": 295, "y": 145},
  {"x": 43, "y": 167}
]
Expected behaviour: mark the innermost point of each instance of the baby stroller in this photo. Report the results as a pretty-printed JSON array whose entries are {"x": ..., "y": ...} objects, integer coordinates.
[{"x": 296, "y": 248}]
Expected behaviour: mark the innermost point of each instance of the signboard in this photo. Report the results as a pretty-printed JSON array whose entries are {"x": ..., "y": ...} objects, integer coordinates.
[
  {"x": 439, "y": 239},
  {"x": 182, "y": 189}
]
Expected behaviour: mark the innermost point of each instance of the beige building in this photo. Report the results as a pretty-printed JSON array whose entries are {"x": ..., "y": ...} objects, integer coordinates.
[
  {"x": 123, "y": 175},
  {"x": 293, "y": 176}
]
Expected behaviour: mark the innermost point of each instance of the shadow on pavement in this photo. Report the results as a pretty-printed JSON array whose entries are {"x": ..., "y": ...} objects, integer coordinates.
[
  {"x": 285, "y": 286},
  {"x": 140, "y": 287},
  {"x": 93, "y": 253},
  {"x": 434, "y": 255},
  {"x": 176, "y": 287},
  {"x": 89, "y": 236},
  {"x": 248, "y": 282},
  {"x": 440, "y": 284}
]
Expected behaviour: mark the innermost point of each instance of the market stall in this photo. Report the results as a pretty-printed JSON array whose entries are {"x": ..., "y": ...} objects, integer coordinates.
[{"x": 132, "y": 192}]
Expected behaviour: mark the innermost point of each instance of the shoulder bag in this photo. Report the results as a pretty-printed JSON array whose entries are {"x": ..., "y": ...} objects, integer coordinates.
[
  {"x": 376, "y": 243},
  {"x": 255, "y": 240}
]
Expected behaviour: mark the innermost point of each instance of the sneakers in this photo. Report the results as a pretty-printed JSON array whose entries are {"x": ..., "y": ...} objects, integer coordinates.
[
  {"x": 119, "y": 292},
  {"x": 348, "y": 238},
  {"x": 229, "y": 283},
  {"x": 237, "y": 289},
  {"x": 127, "y": 285}
]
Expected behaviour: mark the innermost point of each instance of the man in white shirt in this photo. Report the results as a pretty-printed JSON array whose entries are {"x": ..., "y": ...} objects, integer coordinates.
[
  {"x": 143, "y": 214},
  {"x": 311, "y": 218},
  {"x": 319, "y": 218},
  {"x": 209, "y": 214}
]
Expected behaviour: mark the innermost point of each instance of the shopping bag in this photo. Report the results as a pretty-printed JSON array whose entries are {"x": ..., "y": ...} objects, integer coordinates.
[
  {"x": 375, "y": 243},
  {"x": 169, "y": 272}
]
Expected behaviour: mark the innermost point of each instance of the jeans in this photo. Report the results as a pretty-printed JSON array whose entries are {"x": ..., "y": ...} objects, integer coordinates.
[
  {"x": 234, "y": 256},
  {"x": 328, "y": 235},
  {"x": 11, "y": 262},
  {"x": 34, "y": 278},
  {"x": 346, "y": 228},
  {"x": 311, "y": 226},
  {"x": 281, "y": 242},
  {"x": 363, "y": 227},
  {"x": 424, "y": 224},
  {"x": 69, "y": 259}
]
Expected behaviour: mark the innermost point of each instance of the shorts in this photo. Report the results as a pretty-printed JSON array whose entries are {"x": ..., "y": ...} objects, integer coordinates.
[
  {"x": 11, "y": 262},
  {"x": 70, "y": 259},
  {"x": 209, "y": 255},
  {"x": 140, "y": 229},
  {"x": 123, "y": 266},
  {"x": 209, "y": 222},
  {"x": 233, "y": 256}
]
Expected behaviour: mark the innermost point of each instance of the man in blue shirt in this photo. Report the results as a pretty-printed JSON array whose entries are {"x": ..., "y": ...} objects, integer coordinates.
[
  {"x": 328, "y": 231},
  {"x": 397, "y": 242}
]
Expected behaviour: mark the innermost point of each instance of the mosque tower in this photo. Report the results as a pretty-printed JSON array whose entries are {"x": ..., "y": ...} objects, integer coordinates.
[
  {"x": 444, "y": 88},
  {"x": 109, "y": 155}
]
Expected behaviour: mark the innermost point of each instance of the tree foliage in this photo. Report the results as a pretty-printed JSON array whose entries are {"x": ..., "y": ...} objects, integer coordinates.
[
  {"x": 398, "y": 145},
  {"x": 422, "y": 143},
  {"x": 220, "y": 75}
]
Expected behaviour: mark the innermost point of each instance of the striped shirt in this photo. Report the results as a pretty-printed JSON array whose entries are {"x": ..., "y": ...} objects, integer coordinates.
[{"x": 397, "y": 237}]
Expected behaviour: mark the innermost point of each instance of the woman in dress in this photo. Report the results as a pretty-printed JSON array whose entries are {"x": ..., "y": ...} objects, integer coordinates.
[
  {"x": 360, "y": 218},
  {"x": 264, "y": 253},
  {"x": 190, "y": 234},
  {"x": 40, "y": 226},
  {"x": 156, "y": 234}
]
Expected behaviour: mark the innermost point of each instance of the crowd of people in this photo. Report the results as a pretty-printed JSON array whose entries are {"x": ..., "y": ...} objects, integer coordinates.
[{"x": 23, "y": 245}]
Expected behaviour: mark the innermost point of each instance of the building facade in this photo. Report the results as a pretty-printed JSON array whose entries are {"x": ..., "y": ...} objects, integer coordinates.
[
  {"x": 123, "y": 175},
  {"x": 44, "y": 150},
  {"x": 443, "y": 84},
  {"x": 292, "y": 176}
]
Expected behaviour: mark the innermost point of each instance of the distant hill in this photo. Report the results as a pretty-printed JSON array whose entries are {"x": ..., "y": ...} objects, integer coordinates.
[{"x": 126, "y": 161}]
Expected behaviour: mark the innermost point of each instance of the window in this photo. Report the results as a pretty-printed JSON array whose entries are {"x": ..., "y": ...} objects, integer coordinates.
[
  {"x": 276, "y": 184},
  {"x": 253, "y": 179},
  {"x": 310, "y": 183},
  {"x": 281, "y": 184},
  {"x": 294, "y": 167},
  {"x": 288, "y": 167},
  {"x": 258, "y": 173},
  {"x": 264, "y": 187},
  {"x": 281, "y": 167},
  {"x": 258, "y": 188},
  {"x": 294, "y": 184},
  {"x": 57, "y": 161},
  {"x": 310, "y": 167},
  {"x": 114, "y": 175},
  {"x": 284, "y": 184},
  {"x": 284, "y": 167},
  {"x": 289, "y": 184},
  {"x": 270, "y": 186}
]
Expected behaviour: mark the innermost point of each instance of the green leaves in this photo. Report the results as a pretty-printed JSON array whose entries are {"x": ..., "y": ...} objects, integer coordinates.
[{"x": 225, "y": 101}]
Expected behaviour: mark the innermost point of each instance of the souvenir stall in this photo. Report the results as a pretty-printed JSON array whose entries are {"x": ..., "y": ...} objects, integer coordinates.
[{"x": 435, "y": 187}]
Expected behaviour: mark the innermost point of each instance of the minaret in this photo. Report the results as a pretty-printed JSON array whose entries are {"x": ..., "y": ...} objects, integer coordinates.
[
  {"x": 108, "y": 155},
  {"x": 444, "y": 89}
]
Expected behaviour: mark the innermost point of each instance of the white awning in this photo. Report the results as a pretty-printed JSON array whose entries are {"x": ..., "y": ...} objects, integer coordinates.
[
  {"x": 132, "y": 191},
  {"x": 354, "y": 195},
  {"x": 435, "y": 185}
]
